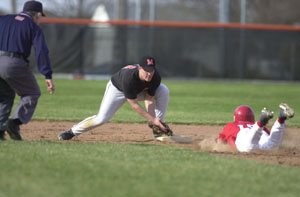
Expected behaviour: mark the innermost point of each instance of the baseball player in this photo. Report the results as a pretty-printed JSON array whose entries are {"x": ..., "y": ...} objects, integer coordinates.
[
  {"x": 18, "y": 33},
  {"x": 246, "y": 135},
  {"x": 133, "y": 83}
]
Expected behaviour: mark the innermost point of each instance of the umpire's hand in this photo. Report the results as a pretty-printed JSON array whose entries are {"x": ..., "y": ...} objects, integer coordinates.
[{"x": 50, "y": 85}]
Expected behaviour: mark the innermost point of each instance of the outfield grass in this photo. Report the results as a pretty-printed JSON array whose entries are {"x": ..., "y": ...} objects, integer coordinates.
[
  {"x": 102, "y": 169},
  {"x": 190, "y": 102}
]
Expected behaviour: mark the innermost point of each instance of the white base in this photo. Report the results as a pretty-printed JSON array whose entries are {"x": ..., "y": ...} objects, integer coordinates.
[{"x": 175, "y": 138}]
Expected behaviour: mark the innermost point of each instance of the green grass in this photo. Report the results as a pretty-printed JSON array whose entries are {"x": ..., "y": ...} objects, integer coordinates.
[
  {"x": 47, "y": 169},
  {"x": 100, "y": 169},
  {"x": 190, "y": 102}
]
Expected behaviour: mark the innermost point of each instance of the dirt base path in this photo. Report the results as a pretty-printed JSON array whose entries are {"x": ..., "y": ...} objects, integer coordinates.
[{"x": 203, "y": 139}]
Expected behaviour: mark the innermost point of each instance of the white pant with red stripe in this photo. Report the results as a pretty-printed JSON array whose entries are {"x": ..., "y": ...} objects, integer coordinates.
[{"x": 255, "y": 137}]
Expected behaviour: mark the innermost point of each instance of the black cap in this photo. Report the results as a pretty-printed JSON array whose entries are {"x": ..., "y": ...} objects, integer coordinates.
[
  {"x": 147, "y": 63},
  {"x": 34, "y": 6}
]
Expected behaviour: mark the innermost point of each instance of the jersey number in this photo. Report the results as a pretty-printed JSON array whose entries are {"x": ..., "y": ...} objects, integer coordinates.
[{"x": 249, "y": 126}]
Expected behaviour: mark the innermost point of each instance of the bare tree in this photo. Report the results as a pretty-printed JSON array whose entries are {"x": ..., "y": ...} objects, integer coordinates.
[
  {"x": 75, "y": 8},
  {"x": 13, "y": 4},
  {"x": 188, "y": 10},
  {"x": 80, "y": 8},
  {"x": 275, "y": 11},
  {"x": 257, "y": 11}
]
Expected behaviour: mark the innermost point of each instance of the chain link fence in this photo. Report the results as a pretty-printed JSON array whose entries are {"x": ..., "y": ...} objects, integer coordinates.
[{"x": 182, "y": 51}]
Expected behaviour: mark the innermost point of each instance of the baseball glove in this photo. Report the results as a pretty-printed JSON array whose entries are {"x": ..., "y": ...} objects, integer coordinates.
[{"x": 158, "y": 132}]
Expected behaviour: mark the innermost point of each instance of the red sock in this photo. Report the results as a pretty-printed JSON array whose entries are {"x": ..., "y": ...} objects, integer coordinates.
[
  {"x": 280, "y": 121},
  {"x": 259, "y": 124}
]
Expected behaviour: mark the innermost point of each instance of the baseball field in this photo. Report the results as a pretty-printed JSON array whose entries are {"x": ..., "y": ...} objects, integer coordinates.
[{"x": 121, "y": 158}]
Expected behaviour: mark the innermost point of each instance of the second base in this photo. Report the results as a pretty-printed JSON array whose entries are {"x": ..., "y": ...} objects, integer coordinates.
[{"x": 175, "y": 138}]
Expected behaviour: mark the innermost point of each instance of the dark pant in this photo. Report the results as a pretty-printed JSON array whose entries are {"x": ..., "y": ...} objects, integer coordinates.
[{"x": 17, "y": 77}]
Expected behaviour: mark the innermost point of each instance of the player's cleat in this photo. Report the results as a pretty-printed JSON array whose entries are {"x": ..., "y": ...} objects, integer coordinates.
[
  {"x": 285, "y": 112},
  {"x": 66, "y": 135},
  {"x": 2, "y": 135},
  {"x": 265, "y": 116},
  {"x": 12, "y": 129}
]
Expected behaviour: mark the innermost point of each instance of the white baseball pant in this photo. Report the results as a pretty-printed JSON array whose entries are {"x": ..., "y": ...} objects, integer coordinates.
[
  {"x": 113, "y": 99},
  {"x": 254, "y": 137}
]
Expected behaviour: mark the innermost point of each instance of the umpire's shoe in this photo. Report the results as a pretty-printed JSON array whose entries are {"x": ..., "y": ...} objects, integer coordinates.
[
  {"x": 285, "y": 112},
  {"x": 265, "y": 116},
  {"x": 66, "y": 135},
  {"x": 2, "y": 135},
  {"x": 12, "y": 129}
]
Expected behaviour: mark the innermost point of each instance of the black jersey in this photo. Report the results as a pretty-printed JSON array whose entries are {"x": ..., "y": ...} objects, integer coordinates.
[{"x": 127, "y": 80}]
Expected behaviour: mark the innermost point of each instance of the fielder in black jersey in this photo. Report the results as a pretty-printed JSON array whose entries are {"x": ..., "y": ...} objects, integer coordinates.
[
  {"x": 133, "y": 83},
  {"x": 127, "y": 80}
]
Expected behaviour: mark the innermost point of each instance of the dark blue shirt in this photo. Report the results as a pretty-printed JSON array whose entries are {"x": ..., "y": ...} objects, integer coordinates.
[{"x": 18, "y": 33}]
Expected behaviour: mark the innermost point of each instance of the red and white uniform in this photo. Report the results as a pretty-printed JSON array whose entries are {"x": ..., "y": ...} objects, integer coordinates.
[{"x": 247, "y": 136}]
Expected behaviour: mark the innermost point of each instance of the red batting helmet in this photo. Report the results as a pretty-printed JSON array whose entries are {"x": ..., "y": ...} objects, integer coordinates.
[{"x": 243, "y": 113}]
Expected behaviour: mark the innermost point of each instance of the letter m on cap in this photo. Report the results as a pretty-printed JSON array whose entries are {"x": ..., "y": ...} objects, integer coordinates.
[{"x": 149, "y": 61}]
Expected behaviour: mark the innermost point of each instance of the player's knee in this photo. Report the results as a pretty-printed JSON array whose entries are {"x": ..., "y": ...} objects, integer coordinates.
[
  {"x": 36, "y": 93},
  {"x": 32, "y": 99},
  {"x": 100, "y": 120},
  {"x": 162, "y": 91}
]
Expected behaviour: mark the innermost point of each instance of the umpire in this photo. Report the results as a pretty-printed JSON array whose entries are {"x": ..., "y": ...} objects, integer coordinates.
[{"x": 18, "y": 33}]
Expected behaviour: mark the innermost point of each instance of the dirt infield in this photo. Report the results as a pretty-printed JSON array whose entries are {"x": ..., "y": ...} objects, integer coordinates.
[{"x": 203, "y": 139}]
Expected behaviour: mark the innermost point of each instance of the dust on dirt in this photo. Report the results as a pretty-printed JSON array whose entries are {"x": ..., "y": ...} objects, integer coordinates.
[{"x": 203, "y": 139}]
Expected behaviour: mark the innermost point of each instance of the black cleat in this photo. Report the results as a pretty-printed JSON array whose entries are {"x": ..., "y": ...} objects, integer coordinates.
[
  {"x": 265, "y": 116},
  {"x": 2, "y": 135},
  {"x": 66, "y": 135},
  {"x": 285, "y": 112},
  {"x": 12, "y": 129}
]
